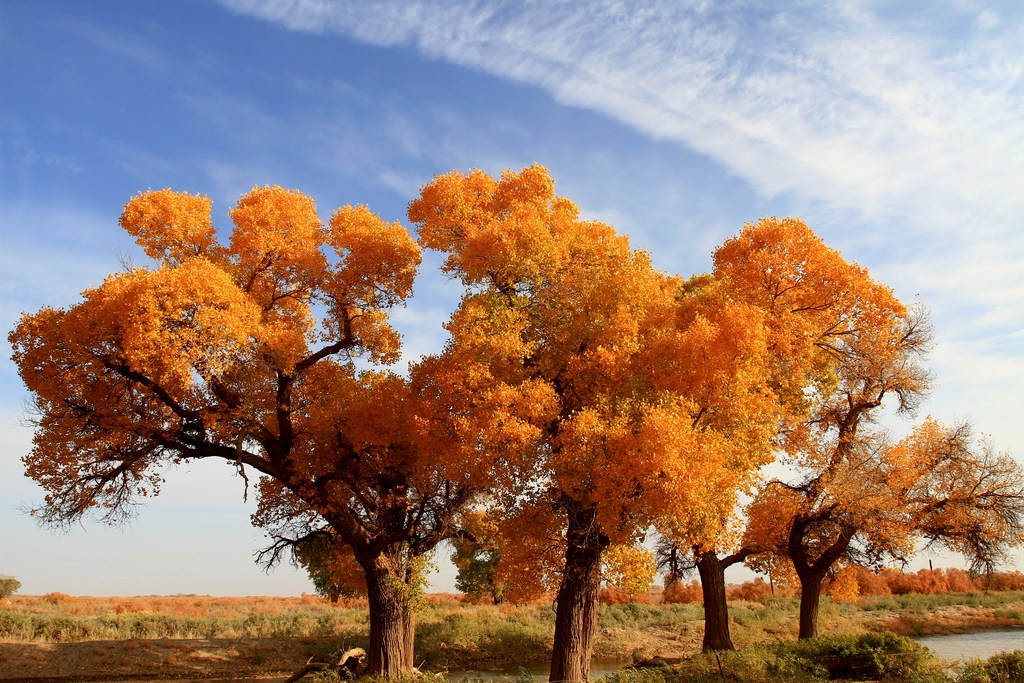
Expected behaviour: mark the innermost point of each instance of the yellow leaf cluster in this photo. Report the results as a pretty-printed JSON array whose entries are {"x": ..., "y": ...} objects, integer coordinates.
[
  {"x": 844, "y": 586},
  {"x": 813, "y": 300},
  {"x": 629, "y": 568}
]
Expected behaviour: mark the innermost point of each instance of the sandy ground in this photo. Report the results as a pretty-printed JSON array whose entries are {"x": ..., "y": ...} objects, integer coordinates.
[{"x": 107, "y": 660}]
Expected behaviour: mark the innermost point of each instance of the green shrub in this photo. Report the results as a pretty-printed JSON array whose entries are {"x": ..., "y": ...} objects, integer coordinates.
[
  {"x": 1003, "y": 667},
  {"x": 872, "y": 656},
  {"x": 1006, "y": 667},
  {"x": 776, "y": 663},
  {"x": 881, "y": 655},
  {"x": 971, "y": 671},
  {"x": 8, "y": 586},
  {"x": 481, "y": 638}
]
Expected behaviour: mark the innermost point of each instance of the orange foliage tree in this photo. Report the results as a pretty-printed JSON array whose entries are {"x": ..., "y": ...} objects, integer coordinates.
[
  {"x": 331, "y": 566},
  {"x": 857, "y": 498},
  {"x": 808, "y": 296},
  {"x": 269, "y": 353},
  {"x": 613, "y": 359},
  {"x": 715, "y": 356},
  {"x": 845, "y": 345},
  {"x": 875, "y": 357},
  {"x": 629, "y": 570}
]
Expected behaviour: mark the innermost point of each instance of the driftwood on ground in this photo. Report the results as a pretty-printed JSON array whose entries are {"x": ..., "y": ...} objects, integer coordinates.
[{"x": 351, "y": 664}]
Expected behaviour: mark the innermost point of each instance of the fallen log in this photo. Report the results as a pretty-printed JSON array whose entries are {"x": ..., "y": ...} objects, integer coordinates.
[{"x": 350, "y": 664}]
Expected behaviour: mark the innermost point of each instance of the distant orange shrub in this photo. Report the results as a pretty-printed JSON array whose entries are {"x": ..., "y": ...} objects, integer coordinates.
[
  {"x": 928, "y": 581},
  {"x": 754, "y": 591},
  {"x": 947, "y": 580},
  {"x": 870, "y": 583},
  {"x": 57, "y": 598},
  {"x": 614, "y": 596},
  {"x": 617, "y": 596},
  {"x": 445, "y": 598},
  {"x": 1001, "y": 581},
  {"x": 679, "y": 592},
  {"x": 174, "y": 605}
]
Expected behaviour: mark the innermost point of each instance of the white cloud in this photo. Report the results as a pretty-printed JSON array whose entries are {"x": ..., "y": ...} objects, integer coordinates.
[
  {"x": 831, "y": 105},
  {"x": 855, "y": 108},
  {"x": 987, "y": 20},
  {"x": 828, "y": 103}
]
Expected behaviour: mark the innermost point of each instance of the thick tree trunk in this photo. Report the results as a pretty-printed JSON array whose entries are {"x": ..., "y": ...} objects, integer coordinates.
[
  {"x": 810, "y": 598},
  {"x": 716, "y": 609},
  {"x": 391, "y": 625},
  {"x": 812, "y": 574},
  {"x": 576, "y": 612}
]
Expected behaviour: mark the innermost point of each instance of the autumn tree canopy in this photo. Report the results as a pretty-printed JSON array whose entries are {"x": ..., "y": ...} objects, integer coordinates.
[
  {"x": 246, "y": 351},
  {"x": 843, "y": 344},
  {"x": 807, "y": 296},
  {"x": 878, "y": 359},
  {"x": 854, "y": 496},
  {"x": 938, "y": 486},
  {"x": 631, "y": 383}
]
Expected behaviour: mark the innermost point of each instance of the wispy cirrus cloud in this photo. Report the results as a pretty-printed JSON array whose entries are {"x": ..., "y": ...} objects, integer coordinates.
[
  {"x": 827, "y": 101},
  {"x": 909, "y": 122}
]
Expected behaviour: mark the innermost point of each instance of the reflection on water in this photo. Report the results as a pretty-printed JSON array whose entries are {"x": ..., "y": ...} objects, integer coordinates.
[{"x": 982, "y": 644}]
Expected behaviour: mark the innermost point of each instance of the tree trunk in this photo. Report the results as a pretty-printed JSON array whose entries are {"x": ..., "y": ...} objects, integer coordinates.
[
  {"x": 576, "y": 612},
  {"x": 410, "y": 638},
  {"x": 391, "y": 625},
  {"x": 810, "y": 597},
  {"x": 716, "y": 609},
  {"x": 812, "y": 574}
]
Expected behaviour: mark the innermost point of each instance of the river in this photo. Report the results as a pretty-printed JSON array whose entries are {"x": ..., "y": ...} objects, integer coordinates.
[{"x": 980, "y": 644}]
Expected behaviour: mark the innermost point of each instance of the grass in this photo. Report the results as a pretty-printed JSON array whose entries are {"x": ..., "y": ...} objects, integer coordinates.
[
  {"x": 68, "y": 619},
  {"x": 878, "y": 657},
  {"x": 459, "y": 636}
]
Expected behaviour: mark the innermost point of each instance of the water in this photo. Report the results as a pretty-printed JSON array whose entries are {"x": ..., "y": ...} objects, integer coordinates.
[{"x": 982, "y": 644}]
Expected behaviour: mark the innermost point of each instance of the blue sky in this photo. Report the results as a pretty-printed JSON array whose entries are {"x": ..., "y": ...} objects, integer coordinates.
[{"x": 895, "y": 129}]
